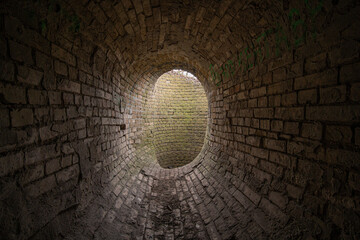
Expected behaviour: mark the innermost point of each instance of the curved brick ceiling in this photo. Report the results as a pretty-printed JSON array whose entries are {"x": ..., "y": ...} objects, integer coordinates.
[{"x": 281, "y": 157}]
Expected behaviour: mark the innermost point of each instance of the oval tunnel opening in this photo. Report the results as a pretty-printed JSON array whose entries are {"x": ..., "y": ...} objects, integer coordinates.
[{"x": 176, "y": 118}]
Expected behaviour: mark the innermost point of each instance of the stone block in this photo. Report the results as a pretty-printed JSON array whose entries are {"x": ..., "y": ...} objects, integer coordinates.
[
  {"x": 5, "y": 118},
  {"x": 294, "y": 191},
  {"x": 291, "y": 128},
  {"x": 32, "y": 173},
  {"x": 294, "y": 113},
  {"x": 63, "y": 55},
  {"x": 257, "y": 92},
  {"x": 37, "y": 97},
  {"x": 342, "y": 134},
  {"x": 11, "y": 163},
  {"x": 325, "y": 78},
  {"x": 12, "y": 94},
  {"x": 52, "y": 165},
  {"x": 355, "y": 92},
  {"x": 278, "y": 198},
  {"x": 349, "y": 73},
  {"x": 87, "y": 90},
  {"x": 22, "y": 117},
  {"x": 59, "y": 114},
  {"x": 71, "y": 86},
  {"x": 316, "y": 63},
  {"x": 68, "y": 98},
  {"x": 277, "y": 126},
  {"x": 280, "y": 87},
  {"x": 20, "y": 53},
  {"x": 289, "y": 99},
  {"x": 279, "y": 75},
  {"x": 61, "y": 68},
  {"x": 46, "y": 133},
  {"x": 273, "y": 144},
  {"x": 271, "y": 168},
  {"x": 357, "y": 136},
  {"x": 307, "y": 96},
  {"x": 66, "y": 161},
  {"x": 29, "y": 75},
  {"x": 68, "y": 173},
  {"x": 264, "y": 112},
  {"x": 312, "y": 130},
  {"x": 333, "y": 113},
  {"x": 41, "y": 153},
  {"x": 333, "y": 94},
  {"x": 7, "y": 71},
  {"x": 39, "y": 187},
  {"x": 54, "y": 98}
]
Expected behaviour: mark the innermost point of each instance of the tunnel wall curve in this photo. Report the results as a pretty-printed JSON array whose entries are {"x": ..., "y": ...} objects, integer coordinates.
[{"x": 281, "y": 158}]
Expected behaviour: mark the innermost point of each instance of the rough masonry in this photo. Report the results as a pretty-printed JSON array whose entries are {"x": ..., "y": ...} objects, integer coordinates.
[{"x": 281, "y": 156}]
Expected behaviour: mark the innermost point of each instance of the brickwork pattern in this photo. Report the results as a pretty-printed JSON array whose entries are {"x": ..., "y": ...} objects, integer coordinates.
[
  {"x": 281, "y": 155},
  {"x": 177, "y": 119}
]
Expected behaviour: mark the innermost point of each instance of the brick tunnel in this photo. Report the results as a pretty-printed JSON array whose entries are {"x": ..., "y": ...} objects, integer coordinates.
[{"x": 276, "y": 153}]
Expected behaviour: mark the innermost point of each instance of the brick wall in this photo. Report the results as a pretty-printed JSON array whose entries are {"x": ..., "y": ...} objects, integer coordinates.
[
  {"x": 281, "y": 153},
  {"x": 177, "y": 119}
]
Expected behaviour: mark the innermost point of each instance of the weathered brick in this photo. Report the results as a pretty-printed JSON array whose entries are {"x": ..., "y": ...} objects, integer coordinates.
[
  {"x": 63, "y": 55},
  {"x": 253, "y": 140},
  {"x": 41, "y": 153},
  {"x": 54, "y": 97},
  {"x": 52, "y": 165},
  {"x": 338, "y": 134},
  {"x": 66, "y": 161},
  {"x": 273, "y": 144},
  {"x": 5, "y": 118},
  {"x": 13, "y": 94},
  {"x": 67, "y": 173},
  {"x": 289, "y": 99},
  {"x": 264, "y": 112},
  {"x": 273, "y": 211},
  {"x": 61, "y": 68},
  {"x": 307, "y": 96},
  {"x": 294, "y": 113},
  {"x": 291, "y": 128},
  {"x": 68, "y": 98},
  {"x": 280, "y": 87},
  {"x": 333, "y": 94},
  {"x": 271, "y": 168},
  {"x": 316, "y": 63},
  {"x": 355, "y": 92},
  {"x": 37, "y": 97},
  {"x": 11, "y": 163},
  {"x": 7, "y": 71},
  {"x": 312, "y": 130},
  {"x": 349, "y": 73},
  {"x": 333, "y": 113},
  {"x": 20, "y": 53},
  {"x": 32, "y": 173},
  {"x": 87, "y": 90},
  {"x": 357, "y": 136},
  {"x": 59, "y": 114},
  {"x": 276, "y": 126},
  {"x": 71, "y": 86},
  {"x": 29, "y": 76},
  {"x": 278, "y": 198},
  {"x": 257, "y": 92},
  {"x": 325, "y": 78},
  {"x": 293, "y": 191},
  {"x": 46, "y": 133},
  {"x": 22, "y": 117},
  {"x": 41, "y": 186},
  {"x": 345, "y": 158}
]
